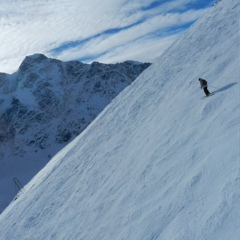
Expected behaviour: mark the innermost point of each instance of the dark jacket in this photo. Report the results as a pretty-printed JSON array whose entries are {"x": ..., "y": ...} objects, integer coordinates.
[{"x": 203, "y": 83}]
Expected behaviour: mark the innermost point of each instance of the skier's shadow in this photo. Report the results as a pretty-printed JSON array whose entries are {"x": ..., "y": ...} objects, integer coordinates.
[{"x": 226, "y": 87}]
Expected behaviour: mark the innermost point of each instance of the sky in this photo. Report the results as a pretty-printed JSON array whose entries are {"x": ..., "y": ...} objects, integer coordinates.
[{"x": 98, "y": 30}]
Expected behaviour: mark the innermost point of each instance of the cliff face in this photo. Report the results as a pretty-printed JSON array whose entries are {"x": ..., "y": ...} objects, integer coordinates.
[{"x": 47, "y": 103}]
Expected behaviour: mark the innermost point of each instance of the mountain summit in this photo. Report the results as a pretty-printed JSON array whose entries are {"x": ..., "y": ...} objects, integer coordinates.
[
  {"x": 158, "y": 162},
  {"x": 45, "y": 105}
]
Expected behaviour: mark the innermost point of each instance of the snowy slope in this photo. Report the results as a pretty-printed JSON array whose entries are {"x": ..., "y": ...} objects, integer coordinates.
[{"x": 158, "y": 162}]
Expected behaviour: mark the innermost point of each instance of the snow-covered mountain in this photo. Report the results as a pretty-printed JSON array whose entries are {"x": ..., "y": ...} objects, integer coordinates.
[
  {"x": 158, "y": 162},
  {"x": 45, "y": 105}
]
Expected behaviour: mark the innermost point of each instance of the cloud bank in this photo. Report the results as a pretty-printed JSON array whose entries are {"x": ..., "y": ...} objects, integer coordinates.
[{"x": 97, "y": 30}]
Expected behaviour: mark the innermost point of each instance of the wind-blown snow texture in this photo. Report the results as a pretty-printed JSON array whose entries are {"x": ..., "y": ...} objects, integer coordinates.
[
  {"x": 45, "y": 105},
  {"x": 158, "y": 162}
]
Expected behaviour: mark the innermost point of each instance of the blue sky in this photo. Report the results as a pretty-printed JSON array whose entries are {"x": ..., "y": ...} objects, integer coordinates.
[{"x": 98, "y": 30}]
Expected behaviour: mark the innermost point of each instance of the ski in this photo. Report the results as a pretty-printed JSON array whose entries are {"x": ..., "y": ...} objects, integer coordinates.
[{"x": 207, "y": 96}]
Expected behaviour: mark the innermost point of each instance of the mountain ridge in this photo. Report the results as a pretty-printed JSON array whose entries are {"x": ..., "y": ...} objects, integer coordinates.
[{"x": 47, "y": 103}]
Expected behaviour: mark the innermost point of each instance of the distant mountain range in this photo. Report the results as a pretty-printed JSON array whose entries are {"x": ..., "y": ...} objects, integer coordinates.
[{"x": 46, "y": 104}]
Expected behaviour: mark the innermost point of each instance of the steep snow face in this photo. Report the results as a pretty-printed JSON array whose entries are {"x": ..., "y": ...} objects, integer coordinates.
[
  {"x": 45, "y": 105},
  {"x": 159, "y": 162}
]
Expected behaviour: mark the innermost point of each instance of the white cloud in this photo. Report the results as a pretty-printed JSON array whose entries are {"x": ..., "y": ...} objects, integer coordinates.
[
  {"x": 127, "y": 38},
  {"x": 39, "y": 26},
  {"x": 138, "y": 50}
]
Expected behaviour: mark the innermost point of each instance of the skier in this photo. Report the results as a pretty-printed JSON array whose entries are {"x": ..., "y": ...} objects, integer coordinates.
[{"x": 204, "y": 85}]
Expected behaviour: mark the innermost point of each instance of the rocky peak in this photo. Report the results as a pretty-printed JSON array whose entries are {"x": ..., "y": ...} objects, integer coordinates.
[{"x": 47, "y": 103}]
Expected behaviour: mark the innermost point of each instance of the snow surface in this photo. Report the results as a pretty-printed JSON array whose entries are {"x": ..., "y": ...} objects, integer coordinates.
[{"x": 158, "y": 162}]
